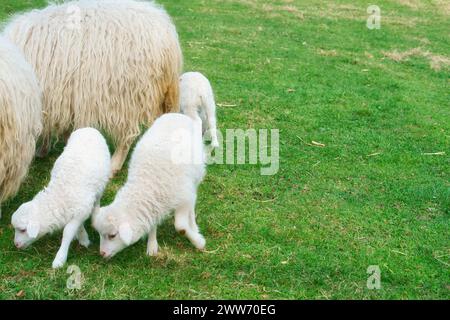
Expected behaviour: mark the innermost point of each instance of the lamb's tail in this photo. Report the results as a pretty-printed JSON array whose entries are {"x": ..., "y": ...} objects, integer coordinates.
[{"x": 209, "y": 106}]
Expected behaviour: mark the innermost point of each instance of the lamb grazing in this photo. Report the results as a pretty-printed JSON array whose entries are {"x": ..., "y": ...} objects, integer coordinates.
[
  {"x": 20, "y": 118},
  {"x": 166, "y": 168},
  {"x": 77, "y": 182},
  {"x": 108, "y": 64},
  {"x": 197, "y": 97}
]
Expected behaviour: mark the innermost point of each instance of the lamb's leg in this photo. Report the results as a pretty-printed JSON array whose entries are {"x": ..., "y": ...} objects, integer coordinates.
[
  {"x": 184, "y": 227},
  {"x": 83, "y": 237},
  {"x": 119, "y": 157},
  {"x": 96, "y": 205},
  {"x": 70, "y": 231},
  {"x": 192, "y": 220},
  {"x": 152, "y": 244},
  {"x": 43, "y": 150}
]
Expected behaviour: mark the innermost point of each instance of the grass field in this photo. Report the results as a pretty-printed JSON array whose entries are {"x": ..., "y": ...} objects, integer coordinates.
[{"x": 377, "y": 192}]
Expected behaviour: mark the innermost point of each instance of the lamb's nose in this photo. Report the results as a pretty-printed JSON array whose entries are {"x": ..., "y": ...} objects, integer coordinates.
[
  {"x": 102, "y": 253},
  {"x": 18, "y": 245}
]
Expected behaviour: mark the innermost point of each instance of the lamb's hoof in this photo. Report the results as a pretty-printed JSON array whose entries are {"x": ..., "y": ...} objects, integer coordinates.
[
  {"x": 58, "y": 263},
  {"x": 152, "y": 251},
  {"x": 85, "y": 243},
  {"x": 200, "y": 243}
]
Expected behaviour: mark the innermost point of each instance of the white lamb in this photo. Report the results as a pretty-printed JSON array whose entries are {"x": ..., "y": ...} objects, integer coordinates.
[
  {"x": 165, "y": 170},
  {"x": 197, "y": 98},
  {"x": 77, "y": 182}
]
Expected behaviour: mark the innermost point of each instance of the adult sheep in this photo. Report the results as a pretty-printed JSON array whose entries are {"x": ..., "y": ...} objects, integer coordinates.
[
  {"x": 111, "y": 64},
  {"x": 20, "y": 118}
]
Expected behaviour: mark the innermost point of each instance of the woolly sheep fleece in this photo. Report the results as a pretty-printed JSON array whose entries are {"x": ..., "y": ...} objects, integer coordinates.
[
  {"x": 20, "y": 118},
  {"x": 110, "y": 64}
]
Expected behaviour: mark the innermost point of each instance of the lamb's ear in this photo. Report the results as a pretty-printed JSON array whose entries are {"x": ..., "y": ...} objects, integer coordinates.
[
  {"x": 125, "y": 233},
  {"x": 33, "y": 229}
]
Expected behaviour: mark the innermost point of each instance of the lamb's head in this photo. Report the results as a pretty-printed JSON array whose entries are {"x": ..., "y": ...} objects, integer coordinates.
[
  {"x": 26, "y": 224},
  {"x": 116, "y": 233}
]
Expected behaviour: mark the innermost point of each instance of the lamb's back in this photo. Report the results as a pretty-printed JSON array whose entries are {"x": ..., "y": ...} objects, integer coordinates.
[
  {"x": 85, "y": 159},
  {"x": 154, "y": 169}
]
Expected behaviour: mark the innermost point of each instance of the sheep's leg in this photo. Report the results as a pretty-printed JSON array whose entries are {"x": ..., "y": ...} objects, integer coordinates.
[
  {"x": 119, "y": 157},
  {"x": 172, "y": 97},
  {"x": 45, "y": 146},
  {"x": 152, "y": 244},
  {"x": 96, "y": 205},
  {"x": 96, "y": 209},
  {"x": 192, "y": 220},
  {"x": 184, "y": 227},
  {"x": 194, "y": 226},
  {"x": 67, "y": 136},
  {"x": 83, "y": 237},
  {"x": 70, "y": 231}
]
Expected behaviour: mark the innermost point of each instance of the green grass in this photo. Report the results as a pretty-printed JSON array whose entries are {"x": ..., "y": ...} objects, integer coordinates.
[{"x": 369, "y": 197}]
